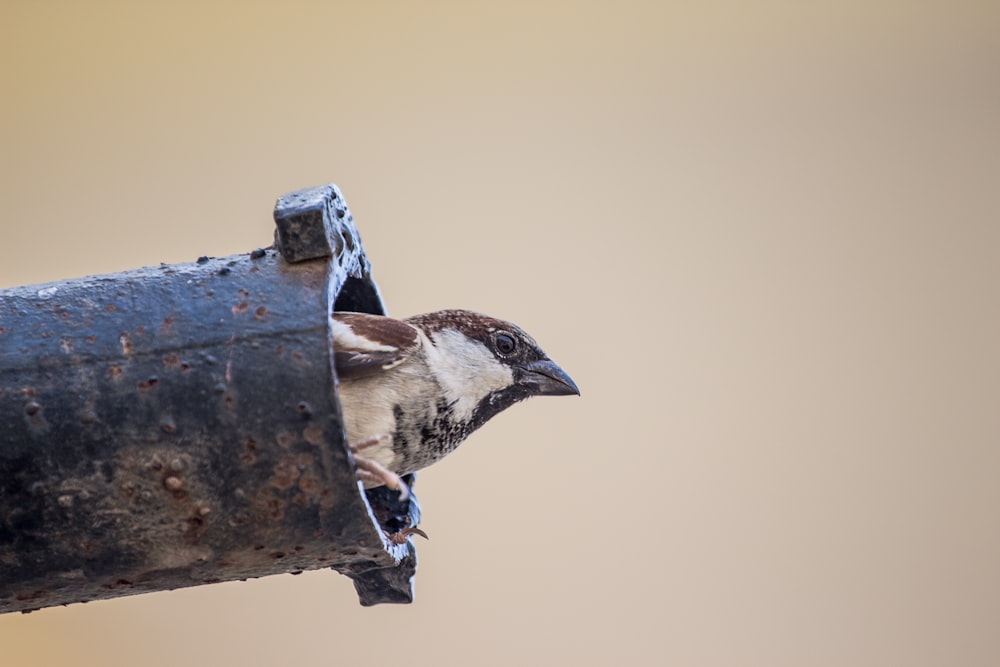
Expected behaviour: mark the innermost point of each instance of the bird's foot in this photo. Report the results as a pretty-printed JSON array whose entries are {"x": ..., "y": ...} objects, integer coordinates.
[
  {"x": 401, "y": 536},
  {"x": 371, "y": 471}
]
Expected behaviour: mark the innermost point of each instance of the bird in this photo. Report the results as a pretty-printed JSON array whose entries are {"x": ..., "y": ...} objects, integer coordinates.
[{"x": 412, "y": 390}]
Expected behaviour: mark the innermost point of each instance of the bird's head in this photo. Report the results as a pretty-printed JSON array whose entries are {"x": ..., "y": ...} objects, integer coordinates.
[{"x": 486, "y": 365}]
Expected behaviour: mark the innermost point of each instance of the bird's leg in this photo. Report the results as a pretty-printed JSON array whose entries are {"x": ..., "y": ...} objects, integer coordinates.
[{"x": 370, "y": 470}]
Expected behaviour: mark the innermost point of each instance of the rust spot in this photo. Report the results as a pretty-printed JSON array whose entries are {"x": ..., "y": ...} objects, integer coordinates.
[
  {"x": 31, "y": 596},
  {"x": 34, "y": 416},
  {"x": 260, "y": 313},
  {"x": 115, "y": 372},
  {"x": 178, "y": 465},
  {"x": 276, "y": 508},
  {"x": 297, "y": 356},
  {"x": 173, "y": 359},
  {"x": 313, "y": 434},
  {"x": 140, "y": 330},
  {"x": 195, "y": 527},
  {"x": 240, "y": 308},
  {"x": 91, "y": 339},
  {"x": 167, "y": 424},
  {"x": 156, "y": 463},
  {"x": 248, "y": 456},
  {"x": 279, "y": 350},
  {"x": 268, "y": 503},
  {"x": 128, "y": 489},
  {"x": 126, "y": 341},
  {"x": 148, "y": 384},
  {"x": 285, "y": 474},
  {"x": 88, "y": 416},
  {"x": 303, "y": 408},
  {"x": 173, "y": 483},
  {"x": 3, "y": 330},
  {"x": 285, "y": 439},
  {"x": 168, "y": 325},
  {"x": 185, "y": 367},
  {"x": 308, "y": 484},
  {"x": 110, "y": 308},
  {"x": 66, "y": 345}
]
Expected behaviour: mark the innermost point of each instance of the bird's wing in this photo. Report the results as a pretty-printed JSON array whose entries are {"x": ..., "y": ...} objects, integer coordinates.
[{"x": 368, "y": 344}]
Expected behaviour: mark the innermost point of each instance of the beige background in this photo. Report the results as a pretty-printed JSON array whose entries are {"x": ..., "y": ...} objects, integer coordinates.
[{"x": 763, "y": 237}]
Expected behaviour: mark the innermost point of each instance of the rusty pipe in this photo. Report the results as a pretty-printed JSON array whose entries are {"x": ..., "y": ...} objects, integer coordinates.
[{"x": 179, "y": 425}]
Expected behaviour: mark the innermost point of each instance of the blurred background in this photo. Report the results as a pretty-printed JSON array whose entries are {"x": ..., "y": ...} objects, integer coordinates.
[{"x": 764, "y": 238}]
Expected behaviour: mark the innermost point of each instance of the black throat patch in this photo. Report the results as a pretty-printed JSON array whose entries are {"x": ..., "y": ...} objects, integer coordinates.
[{"x": 422, "y": 440}]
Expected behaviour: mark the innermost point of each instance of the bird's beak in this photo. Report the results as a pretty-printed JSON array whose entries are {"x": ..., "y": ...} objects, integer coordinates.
[{"x": 545, "y": 378}]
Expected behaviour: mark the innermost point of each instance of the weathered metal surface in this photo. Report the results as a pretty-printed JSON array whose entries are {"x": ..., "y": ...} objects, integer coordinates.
[
  {"x": 315, "y": 222},
  {"x": 178, "y": 425}
]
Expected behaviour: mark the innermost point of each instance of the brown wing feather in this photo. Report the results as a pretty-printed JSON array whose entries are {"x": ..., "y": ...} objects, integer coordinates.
[{"x": 367, "y": 344}]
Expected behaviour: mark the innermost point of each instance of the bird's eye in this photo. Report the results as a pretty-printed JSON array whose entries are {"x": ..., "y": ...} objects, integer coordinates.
[{"x": 505, "y": 343}]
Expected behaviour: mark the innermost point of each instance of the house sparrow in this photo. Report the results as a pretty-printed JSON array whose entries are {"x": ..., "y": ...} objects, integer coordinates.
[{"x": 412, "y": 390}]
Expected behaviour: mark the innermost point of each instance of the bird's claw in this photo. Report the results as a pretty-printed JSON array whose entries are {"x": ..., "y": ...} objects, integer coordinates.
[{"x": 401, "y": 536}]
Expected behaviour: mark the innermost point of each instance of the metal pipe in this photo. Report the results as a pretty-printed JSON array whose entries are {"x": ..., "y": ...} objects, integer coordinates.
[{"x": 179, "y": 425}]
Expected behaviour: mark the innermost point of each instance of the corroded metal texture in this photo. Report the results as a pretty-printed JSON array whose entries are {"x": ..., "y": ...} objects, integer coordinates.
[
  {"x": 178, "y": 425},
  {"x": 316, "y": 222}
]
